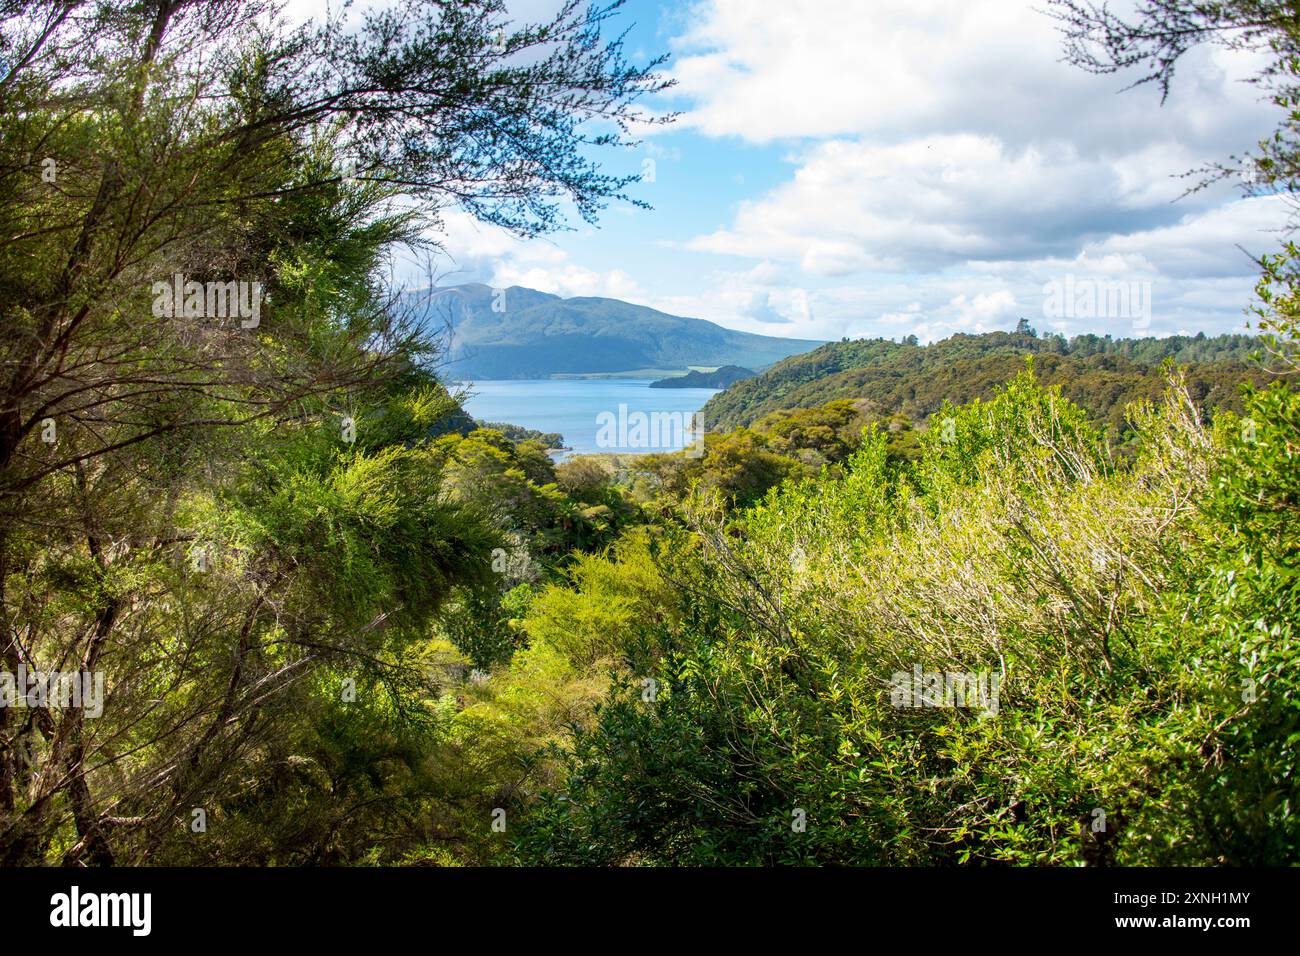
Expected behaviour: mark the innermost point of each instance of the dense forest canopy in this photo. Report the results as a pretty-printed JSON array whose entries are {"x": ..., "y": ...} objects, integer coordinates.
[{"x": 1098, "y": 373}]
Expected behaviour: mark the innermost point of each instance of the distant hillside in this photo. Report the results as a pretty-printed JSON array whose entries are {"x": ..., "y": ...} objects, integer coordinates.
[
  {"x": 532, "y": 334},
  {"x": 1100, "y": 374},
  {"x": 719, "y": 378}
]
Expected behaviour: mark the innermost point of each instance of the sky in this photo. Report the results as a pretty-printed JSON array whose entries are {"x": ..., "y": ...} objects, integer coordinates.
[{"x": 869, "y": 168}]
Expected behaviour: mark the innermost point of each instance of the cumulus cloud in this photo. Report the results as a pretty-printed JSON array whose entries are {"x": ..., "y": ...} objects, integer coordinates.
[
  {"x": 759, "y": 308},
  {"x": 942, "y": 200},
  {"x": 895, "y": 69},
  {"x": 477, "y": 252},
  {"x": 942, "y": 166},
  {"x": 1191, "y": 276},
  {"x": 1219, "y": 242},
  {"x": 568, "y": 281},
  {"x": 942, "y": 155}
]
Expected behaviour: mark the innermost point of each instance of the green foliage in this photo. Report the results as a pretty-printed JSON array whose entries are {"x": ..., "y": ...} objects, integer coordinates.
[
  {"x": 486, "y": 625},
  {"x": 252, "y": 524},
  {"x": 1101, "y": 375},
  {"x": 353, "y": 626},
  {"x": 609, "y": 610},
  {"x": 518, "y": 483},
  {"x": 1014, "y": 548}
]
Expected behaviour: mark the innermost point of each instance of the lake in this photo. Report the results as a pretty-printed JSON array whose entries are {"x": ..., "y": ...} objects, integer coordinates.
[{"x": 623, "y": 415}]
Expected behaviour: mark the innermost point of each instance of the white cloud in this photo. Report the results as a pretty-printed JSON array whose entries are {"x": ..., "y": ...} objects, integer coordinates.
[
  {"x": 472, "y": 251},
  {"x": 986, "y": 311},
  {"x": 568, "y": 281},
  {"x": 944, "y": 164},
  {"x": 901, "y": 68},
  {"x": 472, "y": 244},
  {"x": 1197, "y": 280},
  {"x": 945, "y": 157},
  {"x": 1209, "y": 243},
  {"x": 931, "y": 203}
]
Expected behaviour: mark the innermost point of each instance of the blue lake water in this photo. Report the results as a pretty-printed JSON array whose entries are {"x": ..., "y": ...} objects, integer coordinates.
[{"x": 573, "y": 407}]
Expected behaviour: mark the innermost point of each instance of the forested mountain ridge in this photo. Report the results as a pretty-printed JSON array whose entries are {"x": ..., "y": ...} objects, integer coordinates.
[
  {"x": 516, "y": 332},
  {"x": 1099, "y": 373}
]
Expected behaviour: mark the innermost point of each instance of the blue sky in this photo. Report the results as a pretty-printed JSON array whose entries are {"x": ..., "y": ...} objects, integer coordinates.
[{"x": 896, "y": 167}]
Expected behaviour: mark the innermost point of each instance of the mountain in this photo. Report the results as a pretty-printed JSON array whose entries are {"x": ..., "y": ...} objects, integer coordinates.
[
  {"x": 1098, "y": 373},
  {"x": 719, "y": 378},
  {"x": 522, "y": 333}
]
